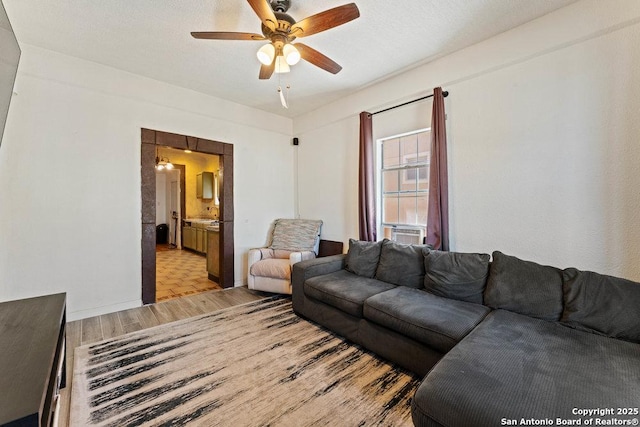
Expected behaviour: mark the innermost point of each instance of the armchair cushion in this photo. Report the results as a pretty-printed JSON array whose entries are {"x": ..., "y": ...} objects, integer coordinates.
[
  {"x": 274, "y": 253},
  {"x": 272, "y": 267},
  {"x": 296, "y": 234}
]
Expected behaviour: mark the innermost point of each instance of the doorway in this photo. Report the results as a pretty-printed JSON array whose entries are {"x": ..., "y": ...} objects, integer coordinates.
[
  {"x": 184, "y": 260},
  {"x": 151, "y": 140}
]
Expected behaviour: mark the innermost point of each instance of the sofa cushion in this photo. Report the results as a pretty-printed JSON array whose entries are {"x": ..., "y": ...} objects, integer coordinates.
[
  {"x": 272, "y": 267},
  {"x": 516, "y": 367},
  {"x": 344, "y": 290},
  {"x": 460, "y": 276},
  {"x": 401, "y": 264},
  {"x": 362, "y": 257},
  {"x": 437, "y": 322},
  {"x": 604, "y": 304},
  {"x": 524, "y": 287}
]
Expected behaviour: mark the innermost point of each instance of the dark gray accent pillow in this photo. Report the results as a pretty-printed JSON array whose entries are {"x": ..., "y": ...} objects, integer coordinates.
[
  {"x": 362, "y": 257},
  {"x": 456, "y": 275},
  {"x": 605, "y": 304},
  {"x": 401, "y": 264},
  {"x": 524, "y": 287}
]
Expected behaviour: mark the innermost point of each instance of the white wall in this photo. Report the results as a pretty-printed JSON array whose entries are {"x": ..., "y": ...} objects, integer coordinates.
[
  {"x": 70, "y": 177},
  {"x": 543, "y": 135}
]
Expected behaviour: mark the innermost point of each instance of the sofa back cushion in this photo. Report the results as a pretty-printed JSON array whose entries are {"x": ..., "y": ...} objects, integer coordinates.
[
  {"x": 401, "y": 264},
  {"x": 524, "y": 287},
  {"x": 362, "y": 257},
  {"x": 605, "y": 304},
  {"x": 455, "y": 275}
]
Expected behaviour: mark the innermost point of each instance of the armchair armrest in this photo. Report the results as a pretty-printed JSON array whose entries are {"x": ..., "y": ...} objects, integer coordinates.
[
  {"x": 296, "y": 257},
  {"x": 254, "y": 256}
]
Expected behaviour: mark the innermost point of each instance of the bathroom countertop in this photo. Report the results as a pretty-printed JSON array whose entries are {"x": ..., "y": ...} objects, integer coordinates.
[{"x": 200, "y": 222}]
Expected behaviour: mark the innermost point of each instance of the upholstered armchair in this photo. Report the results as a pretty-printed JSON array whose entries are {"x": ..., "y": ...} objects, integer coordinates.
[{"x": 291, "y": 241}]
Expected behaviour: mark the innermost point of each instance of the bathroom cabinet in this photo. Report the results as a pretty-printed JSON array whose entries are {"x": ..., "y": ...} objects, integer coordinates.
[
  {"x": 201, "y": 240},
  {"x": 194, "y": 236},
  {"x": 189, "y": 237},
  {"x": 204, "y": 185}
]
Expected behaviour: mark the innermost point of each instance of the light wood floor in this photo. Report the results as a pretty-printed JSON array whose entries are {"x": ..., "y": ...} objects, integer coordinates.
[{"x": 93, "y": 329}]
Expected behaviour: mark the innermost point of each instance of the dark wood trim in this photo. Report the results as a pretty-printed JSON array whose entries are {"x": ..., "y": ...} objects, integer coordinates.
[
  {"x": 330, "y": 247},
  {"x": 150, "y": 139}
]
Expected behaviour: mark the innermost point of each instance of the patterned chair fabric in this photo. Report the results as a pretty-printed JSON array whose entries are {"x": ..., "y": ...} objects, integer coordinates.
[{"x": 292, "y": 240}]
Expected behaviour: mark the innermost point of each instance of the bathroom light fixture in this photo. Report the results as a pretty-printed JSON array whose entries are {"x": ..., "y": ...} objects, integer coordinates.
[{"x": 163, "y": 163}]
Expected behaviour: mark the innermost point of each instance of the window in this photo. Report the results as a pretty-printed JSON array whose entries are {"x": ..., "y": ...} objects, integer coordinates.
[{"x": 404, "y": 185}]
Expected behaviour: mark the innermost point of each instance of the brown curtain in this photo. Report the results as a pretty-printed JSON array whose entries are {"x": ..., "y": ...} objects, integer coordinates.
[
  {"x": 438, "y": 214},
  {"x": 366, "y": 193}
]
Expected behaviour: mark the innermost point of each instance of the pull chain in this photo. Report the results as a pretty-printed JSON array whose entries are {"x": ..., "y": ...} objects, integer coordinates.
[{"x": 283, "y": 100}]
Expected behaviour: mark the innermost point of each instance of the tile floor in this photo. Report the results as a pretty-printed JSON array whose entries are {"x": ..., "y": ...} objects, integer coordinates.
[{"x": 180, "y": 273}]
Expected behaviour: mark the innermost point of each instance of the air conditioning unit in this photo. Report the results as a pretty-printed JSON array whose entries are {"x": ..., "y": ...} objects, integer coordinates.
[{"x": 408, "y": 235}]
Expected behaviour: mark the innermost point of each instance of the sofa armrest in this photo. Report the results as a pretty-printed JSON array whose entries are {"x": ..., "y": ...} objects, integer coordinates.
[
  {"x": 296, "y": 257},
  {"x": 307, "y": 269},
  {"x": 316, "y": 267}
]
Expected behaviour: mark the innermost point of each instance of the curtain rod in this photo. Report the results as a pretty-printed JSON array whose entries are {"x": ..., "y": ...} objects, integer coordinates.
[{"x": 444, "y": 94}]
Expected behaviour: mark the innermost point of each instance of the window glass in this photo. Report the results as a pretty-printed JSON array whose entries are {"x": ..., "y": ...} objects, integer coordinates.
[
  {"x": 404, "y": 189},
  {"x": 391, "y": 153}
]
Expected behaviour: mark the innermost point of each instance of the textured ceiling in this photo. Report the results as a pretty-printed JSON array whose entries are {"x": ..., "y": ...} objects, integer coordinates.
[{"x": 151, "y": 38}]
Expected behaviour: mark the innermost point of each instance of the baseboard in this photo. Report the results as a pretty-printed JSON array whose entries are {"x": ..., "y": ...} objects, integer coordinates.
[{"x": 99, "y": 311}]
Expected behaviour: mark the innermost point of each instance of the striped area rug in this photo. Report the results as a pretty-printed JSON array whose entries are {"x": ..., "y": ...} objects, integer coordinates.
[{"x": 257, "y": 364}]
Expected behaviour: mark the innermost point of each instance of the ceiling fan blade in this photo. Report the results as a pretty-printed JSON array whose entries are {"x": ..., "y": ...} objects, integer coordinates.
[
  {"x": 325, "y": 20},
  {"x": 316, "y": 58},
  {"x": 266, "y": 71},
  {"x": 225, "y": 35},
  {"x": 262, "y": 8}
]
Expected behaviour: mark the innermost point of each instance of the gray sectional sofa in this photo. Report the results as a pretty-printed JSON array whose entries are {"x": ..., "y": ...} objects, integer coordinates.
[{"x": 498, "y": 343}]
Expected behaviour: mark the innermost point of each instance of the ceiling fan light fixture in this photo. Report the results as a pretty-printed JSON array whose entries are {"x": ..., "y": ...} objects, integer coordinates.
[
  {"x": 291, "y": 54},
  {"x": 281, "y": 65},
  {"x": 266, "y": 54}
]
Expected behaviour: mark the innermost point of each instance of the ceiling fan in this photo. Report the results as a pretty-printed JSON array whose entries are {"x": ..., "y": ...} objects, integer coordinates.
[{"x": 280, "y": 30}]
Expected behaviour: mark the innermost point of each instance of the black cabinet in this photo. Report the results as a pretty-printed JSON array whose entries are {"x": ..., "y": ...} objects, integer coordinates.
[{"x": 32, "y": 359}]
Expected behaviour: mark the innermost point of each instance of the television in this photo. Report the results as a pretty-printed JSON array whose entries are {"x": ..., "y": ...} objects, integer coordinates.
[{"x": 9, "y": 57}]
